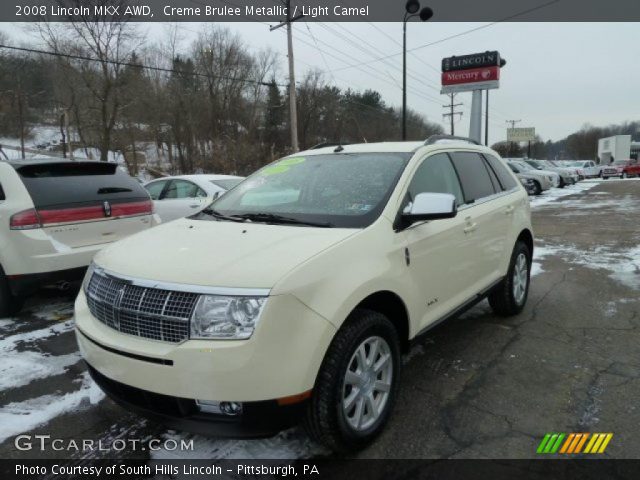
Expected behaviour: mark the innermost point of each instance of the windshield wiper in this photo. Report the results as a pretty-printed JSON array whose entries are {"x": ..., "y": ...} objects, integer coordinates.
[
  {"x": 213, "y": 213},
  {"x": 272, "y": 218}
]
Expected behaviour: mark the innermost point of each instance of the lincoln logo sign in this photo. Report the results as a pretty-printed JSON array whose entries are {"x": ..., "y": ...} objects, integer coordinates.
[{"x": 480, "y": 71}]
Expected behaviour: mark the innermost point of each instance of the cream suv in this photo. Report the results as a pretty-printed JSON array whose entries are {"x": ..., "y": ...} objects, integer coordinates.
[{"x": 293, "y": 296}]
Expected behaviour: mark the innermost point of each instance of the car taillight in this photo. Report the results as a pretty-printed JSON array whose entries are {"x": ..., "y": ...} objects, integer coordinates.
[
  {"x": 132, "y": 208},
  {"x": 70, "y": 215},
  {"x": 25, "y": 220}
]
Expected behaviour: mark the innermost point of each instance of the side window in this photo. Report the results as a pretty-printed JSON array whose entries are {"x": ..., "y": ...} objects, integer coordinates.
[
  {"x": 180, "y": 189},
  {"x": 506, "y": 180},
  {"x": 155, "y": 189},
  {"x": 201, "y": 193},
  {"x": 475, "y": 179},
  {"x": 513, "y": 168},
  {"x": 436, "y": 175},
  {"x": 2, "y": 196}
]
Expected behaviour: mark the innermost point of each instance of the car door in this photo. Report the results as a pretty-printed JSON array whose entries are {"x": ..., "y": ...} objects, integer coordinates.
[
  {"x": 180, "y": 199},
  {"x": 436, "y": 249},
  {"x": 155, "y": 190},
  {"x": 487, "y": 213}
]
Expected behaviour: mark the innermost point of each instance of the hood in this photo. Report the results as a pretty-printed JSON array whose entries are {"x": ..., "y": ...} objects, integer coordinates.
[{"x": 218, "y": 254}]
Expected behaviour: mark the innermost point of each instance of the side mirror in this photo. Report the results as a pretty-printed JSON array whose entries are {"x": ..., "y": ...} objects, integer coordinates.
[
  {"x": 430, "y": 206},
  {"x": 216, "y": 195}
]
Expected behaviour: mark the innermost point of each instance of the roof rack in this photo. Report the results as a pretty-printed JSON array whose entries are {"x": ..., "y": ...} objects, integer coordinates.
[
  {"x": 327, "y": 144},
  {"x": 435, "y": 138}
]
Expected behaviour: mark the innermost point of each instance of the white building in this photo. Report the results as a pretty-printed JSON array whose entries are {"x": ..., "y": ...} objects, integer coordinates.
[{"x": 618, "y": 147}]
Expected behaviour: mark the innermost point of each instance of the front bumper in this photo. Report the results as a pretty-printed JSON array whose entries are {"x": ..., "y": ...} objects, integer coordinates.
[
  {"x": 281, "y": 359},
  {"x": 258, "y": 419}
]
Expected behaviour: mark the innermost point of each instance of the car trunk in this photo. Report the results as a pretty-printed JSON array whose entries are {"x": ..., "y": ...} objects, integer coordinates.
[{"x": 86, "y": 203}]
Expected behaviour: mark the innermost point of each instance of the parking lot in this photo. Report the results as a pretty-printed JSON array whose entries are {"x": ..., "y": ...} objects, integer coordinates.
[{"x": 478, "y": 386}]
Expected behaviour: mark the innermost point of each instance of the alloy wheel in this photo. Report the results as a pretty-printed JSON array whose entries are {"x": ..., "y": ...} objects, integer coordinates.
[
  {"x": 367, "y": 383},
  {"x": 520, "y": 278}
]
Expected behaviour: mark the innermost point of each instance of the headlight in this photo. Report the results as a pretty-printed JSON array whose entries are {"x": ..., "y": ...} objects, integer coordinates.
[
  {"x": 87, "y": 276},
  {"x": 232, "y": 318}
]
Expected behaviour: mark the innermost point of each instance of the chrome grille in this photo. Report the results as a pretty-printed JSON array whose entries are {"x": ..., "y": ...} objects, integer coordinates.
[{"x": 141, "y": 311}]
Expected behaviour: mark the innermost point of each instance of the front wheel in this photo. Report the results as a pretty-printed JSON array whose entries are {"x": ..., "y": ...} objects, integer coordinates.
[
  {"x": 624, "y": 175},
  {"x": 562, "y": 183},
  {"x": 510, "y": 296},
  {"x": 357, "y": 384}
]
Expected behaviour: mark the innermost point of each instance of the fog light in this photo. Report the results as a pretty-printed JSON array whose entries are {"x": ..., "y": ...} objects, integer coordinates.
[{"x": 220, "y": 408}]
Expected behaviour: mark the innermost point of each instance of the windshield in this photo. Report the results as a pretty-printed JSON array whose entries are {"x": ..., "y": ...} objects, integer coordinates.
[
  {"x": 227, "y": 183},
  {"x": 523, "y": 166},
  {"x": 346, "y": 190},
  {"x": 534, "y": 164}
]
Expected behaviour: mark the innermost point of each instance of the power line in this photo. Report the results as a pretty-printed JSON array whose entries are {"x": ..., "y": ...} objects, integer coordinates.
[{"x": 133, "y": 65}]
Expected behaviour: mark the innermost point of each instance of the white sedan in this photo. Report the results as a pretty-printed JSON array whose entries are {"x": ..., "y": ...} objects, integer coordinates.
[{"x": 181, "y": 196}]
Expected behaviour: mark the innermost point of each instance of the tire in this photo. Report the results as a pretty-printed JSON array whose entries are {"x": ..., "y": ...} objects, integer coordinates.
[
  {"x": 327, "y": 420},
  {"x": 537, "y": 188},
  {"x": 506, "y": 300},
  {"x": 9, "y": 304},
  {"x": 624, "y": 175},
  {"x": 562, "y": 183}
]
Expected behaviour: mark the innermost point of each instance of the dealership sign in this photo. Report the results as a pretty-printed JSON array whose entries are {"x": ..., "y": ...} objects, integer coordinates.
[
  {"x": 480, "y": 71},
  {"x": 521, "y": 134}
]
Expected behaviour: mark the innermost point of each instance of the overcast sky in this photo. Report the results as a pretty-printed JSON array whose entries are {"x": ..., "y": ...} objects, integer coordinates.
[{"x": 559, "y": 76}]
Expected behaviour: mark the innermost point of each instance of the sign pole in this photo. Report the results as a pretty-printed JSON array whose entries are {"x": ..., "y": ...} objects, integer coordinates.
[
  {"x": 475, "y": 126},
  {"x": 486, "y": 121}
]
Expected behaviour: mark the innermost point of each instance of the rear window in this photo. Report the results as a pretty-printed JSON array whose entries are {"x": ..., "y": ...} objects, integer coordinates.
[
  {"x": 54, "y": 184},
  {"x": 474, "y": 176},
  {"x": 227, "y": 183},
  {"x": 506, "y": 180}
]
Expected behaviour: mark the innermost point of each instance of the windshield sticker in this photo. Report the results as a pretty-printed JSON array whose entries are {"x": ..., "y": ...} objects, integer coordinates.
[
  {"x": 292, "y": 161},
  {"x": 283, "y": 166}
]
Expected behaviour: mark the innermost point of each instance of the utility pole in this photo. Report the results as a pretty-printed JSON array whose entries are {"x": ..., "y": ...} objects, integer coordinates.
[
  {"x": 293, "y": 113},
  {"x": 513, "y": 125},
  {"x": 452, "y": 113},
  {"x": 486, "y": 121}
]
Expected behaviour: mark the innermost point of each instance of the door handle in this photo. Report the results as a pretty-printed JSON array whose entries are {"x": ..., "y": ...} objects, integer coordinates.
[
  {"x": 470, "y": 228},
  {"x": 509, "y": 210},
  {"x": 195, "y": 206}
]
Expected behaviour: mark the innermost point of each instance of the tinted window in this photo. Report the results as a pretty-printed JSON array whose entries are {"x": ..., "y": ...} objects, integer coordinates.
[
  {"x": 227, "y": 183},
  {"x": 436, "y": 175},
  {"x": 181, "y": 189},
  {"x": 155, "y": 189},
  {"x": 474, "y": 176},
  {"x": 506, "y": 179},
  {"x": 69, "y": 183}
]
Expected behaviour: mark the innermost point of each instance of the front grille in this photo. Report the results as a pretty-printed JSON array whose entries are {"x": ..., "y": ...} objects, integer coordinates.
[{"x": 141, "y": 311}]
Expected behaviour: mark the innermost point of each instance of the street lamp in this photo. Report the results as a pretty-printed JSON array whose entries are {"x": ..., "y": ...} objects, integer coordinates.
[{"x": 411, "y": 7}]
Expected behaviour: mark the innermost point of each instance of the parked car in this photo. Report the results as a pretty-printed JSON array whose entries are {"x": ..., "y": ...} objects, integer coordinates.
[
  {"x": 55, "y": 215},
  {"x": 567, "y": 176},
  {"x": 622, "y": 169},
  {"x": 180, "y": 196},
  {"x": 587, "y": 168},
  {"x": 542, "y": 179},
  {"x": 245, "y": 319}
]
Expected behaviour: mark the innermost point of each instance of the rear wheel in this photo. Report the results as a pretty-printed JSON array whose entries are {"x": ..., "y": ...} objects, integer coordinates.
[
  {"x": 510, "y": 296},
  {"x": 537, "y": 189},
  {"x": 9, "y": 304},
  {"x": 356, "y": 387}
]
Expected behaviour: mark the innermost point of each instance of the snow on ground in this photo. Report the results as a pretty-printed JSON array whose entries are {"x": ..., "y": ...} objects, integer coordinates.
[
  {"x": 290, "y": 444},
  {"x": 622, "y": 265},
  {"x": 19, "y": 417},
  {"x": 21, "y": 368},
  {"x": 556, "y": 193}
]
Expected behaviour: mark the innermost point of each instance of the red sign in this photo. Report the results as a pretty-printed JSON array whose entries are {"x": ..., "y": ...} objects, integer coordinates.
[{"x": 474, "y": 75}]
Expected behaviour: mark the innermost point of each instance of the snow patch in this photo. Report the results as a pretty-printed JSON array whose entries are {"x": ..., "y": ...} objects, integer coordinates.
[
  {"x": 556, "y": 193},
  {"x": 19, "y": 417},
  {"x": 21, "y": 368},
  {"x": 290, "y": 444},
  {"x": 10, "y": 342}
]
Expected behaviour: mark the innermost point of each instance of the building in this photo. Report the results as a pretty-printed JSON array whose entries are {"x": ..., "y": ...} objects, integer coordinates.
[{"x": 618, "y": 147}]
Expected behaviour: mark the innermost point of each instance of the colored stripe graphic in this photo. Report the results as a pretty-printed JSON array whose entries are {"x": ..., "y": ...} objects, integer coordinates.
[{"x": 573, "y": 443}]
